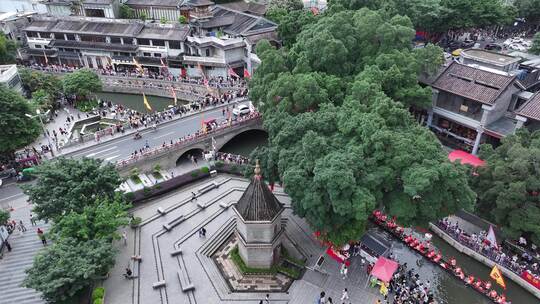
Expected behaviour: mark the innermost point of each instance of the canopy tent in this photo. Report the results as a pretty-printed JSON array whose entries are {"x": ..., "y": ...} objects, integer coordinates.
[
  {"x": 465, "y": 158},
  {"x": 384, "y": 269}
]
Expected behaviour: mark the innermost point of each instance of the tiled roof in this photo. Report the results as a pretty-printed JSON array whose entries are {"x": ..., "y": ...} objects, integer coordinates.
[
  {"x": 531, "y": 109},
  {"x": 258, "y": 203},
  {"x": 160, "y": 32},
  {"x": 473, "y": 83},
  {"x": 168, "y": 3},
  {"x": 241, "y": 23}
]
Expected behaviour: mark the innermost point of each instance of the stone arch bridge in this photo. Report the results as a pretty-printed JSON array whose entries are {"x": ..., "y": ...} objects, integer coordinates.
[{"x": 167, "y": 156}]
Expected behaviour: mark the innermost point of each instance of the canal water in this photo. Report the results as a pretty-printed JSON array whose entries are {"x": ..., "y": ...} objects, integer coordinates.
[{"x": 448, "y": 290}]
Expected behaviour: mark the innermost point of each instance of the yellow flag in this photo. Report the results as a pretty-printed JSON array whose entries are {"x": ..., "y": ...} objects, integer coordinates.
[
  {"x": 145, "y": 100},
  {"x": 138, "y": 65},
  {"x": 497, "y": 276}
]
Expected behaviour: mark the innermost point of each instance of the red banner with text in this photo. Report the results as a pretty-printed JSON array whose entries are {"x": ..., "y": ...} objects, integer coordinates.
[{"x": 531, "y": 279}]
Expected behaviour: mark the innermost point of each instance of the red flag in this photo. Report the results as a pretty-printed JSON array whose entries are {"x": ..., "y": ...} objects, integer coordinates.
[
  {"x": 183, "y": 72},
  {"x": 174, "y": 96},
  {"x": 246, "y": 74},
  {"x": 162, "y": 63},
  {"x": 232, "y": 73},
  {"x": 491, "y": 237}
]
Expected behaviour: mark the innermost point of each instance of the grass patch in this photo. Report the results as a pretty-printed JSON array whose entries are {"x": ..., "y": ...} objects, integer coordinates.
[
  {"x": 237, "y": 260},
  {"x": 86, "y": 105},
  {"x": 285, "y": 255},
  {"x": 157, "y": 175},
  {"x": 136, "y": 179},
  {"x": 290, "y": 272}
]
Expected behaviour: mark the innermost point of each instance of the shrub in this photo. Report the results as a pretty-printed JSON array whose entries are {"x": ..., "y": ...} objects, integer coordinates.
[
  {"x": 135, "y": 221},
  {"x": 157, "y": 186},
  {"x": 157, "y": 175},
  {"x": 234, "y": 168},
  {"x": 129, "y": 196},
  {"x": 219, "y": 164},
  {"x": 194, "y": 173},
  {"x": 157, "y": 168},
  {"x": 147, "y": 191},
  {"x": 98, "y": 293},
  {"x": 4, "y": 216},
  {"x": 237, "y": 260},
  {"x": 205, "y": 170},
  {"x": 98, "y": 301}
]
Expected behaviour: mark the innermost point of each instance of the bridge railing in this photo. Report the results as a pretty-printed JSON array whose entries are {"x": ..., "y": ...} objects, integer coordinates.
[{"x": 188, "y": 140}]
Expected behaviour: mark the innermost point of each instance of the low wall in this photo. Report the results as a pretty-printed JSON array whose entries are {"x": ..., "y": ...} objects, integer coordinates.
[
  {"x": 148, "y": 91},
  {"x": 486, "y": 261}
]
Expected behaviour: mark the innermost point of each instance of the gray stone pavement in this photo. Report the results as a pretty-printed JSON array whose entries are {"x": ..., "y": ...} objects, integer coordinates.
[{"x": 154, "y": 244}]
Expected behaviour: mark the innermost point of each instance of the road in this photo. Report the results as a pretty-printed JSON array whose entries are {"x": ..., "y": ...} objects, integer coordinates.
[{"x": 122, "y": 147}]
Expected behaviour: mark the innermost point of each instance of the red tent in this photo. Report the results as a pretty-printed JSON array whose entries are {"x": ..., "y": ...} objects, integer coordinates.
[
  {"x": 384, "y": 269},
  {"x": 465, "y": 158}
]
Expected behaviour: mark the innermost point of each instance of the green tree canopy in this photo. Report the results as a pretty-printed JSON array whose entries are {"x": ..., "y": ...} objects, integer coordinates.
[
  {"x": 66, "y": 185},
  {"x": 66, "y": 267},
  {"x": 528, "y": 9},
  {"x": 535, "y": 48},
  {"x": 97, "y": 221},
  {"x": 18, "y": 130},
  {"x": 34, "y": 81},
  {"x": 341, "y": 137},
  {"x": 8, "y": 50},
  {"x": 82, "y": 83},
  {"x": 126, "y": 12},
  {"x": 508, "y": 187}
]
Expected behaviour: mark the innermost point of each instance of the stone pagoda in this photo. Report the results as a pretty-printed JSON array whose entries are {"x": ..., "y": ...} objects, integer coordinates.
[{"x": 258, "y": 224}]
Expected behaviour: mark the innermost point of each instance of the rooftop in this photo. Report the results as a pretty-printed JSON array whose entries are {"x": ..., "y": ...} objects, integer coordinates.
[
  {"x": 493, "y": 58},
  {"x": 239, "y": 23},
  {"x": 531, "y": 109},
  {"x": 159, "y": 31},
  {"x": 86, "y": 25},
  {"x": 473, "y": 83},
  {"x": 258, "y": 203},
  {"x": 247, "y": 7},
  {"x": 167, "y": 3}
]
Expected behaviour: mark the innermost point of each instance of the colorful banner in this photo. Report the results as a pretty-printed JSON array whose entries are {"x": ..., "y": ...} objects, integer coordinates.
[{"x": 531, "y": 279}]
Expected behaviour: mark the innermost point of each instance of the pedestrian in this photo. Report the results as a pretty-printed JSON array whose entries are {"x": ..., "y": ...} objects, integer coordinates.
[
  {"x": 195, "y": 160},
  {"x": 172, "y": 174},
  {"x": 203, "y": 230},
  {"x": 8, "y": 245},
  {"x": 32, "y": 220},
  {"x": 322, "y": 298},
  {"x": 21, "y": 224},
  {"x": 128, "y": 273},
  {"x": 266, "y": 298},
  {"x": 344, "y": 295},
  {"x": 330, "y": 301},
  {"x": 200, "y": 232},
  {"x": 193, "y": 196},
  {"x": 41, "y": 236},
  {"x": 345, "y": 271},
  {"x": 124, "y": 237}
]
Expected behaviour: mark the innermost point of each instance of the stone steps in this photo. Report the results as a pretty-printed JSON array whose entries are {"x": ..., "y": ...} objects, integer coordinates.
[
  {"x": 218, "y": 238},
  {"x": 13, "y": 265}
]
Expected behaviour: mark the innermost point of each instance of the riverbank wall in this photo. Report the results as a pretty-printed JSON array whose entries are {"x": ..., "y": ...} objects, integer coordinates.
[{"x": 484, "y": 260}]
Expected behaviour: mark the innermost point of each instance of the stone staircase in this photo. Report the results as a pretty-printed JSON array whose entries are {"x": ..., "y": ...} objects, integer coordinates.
[{"x": 14, "y": 263}]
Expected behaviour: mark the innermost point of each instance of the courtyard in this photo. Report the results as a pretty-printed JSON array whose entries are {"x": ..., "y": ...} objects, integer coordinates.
[{"x": 177, "y": 265}]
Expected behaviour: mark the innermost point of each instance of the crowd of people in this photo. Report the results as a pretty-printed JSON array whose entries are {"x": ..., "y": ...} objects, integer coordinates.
[
  {"x": 518, "y": 263},
  {"x": 229, "y": 158},
  {"x": 163, "y": 74},
  {"x": 406, "y": 287},
  {"x": 146, "y": 150}
]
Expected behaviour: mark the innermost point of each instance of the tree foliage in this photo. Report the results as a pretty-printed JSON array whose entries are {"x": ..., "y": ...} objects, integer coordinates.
[
  {"x": 82, "y": 83},
  {"x": 341, "y": 137},
  {"x": 4, "y": 216},
  {"x": 66, "y": 185},
  {"x": 97, "y": 221},
  {"x": 18, "y": 130},
  {"x": 439, "y": 15},
  {"x": 126, "y": 12},
  {"x": 34, "y": 81},
  {"x": 528, "y": 9},
  {"x": 8, "y": 50},
  {"x": 66, "y": 267},
  {"x": 508, "y": 187},
  {"x": 535, "y": 48}
]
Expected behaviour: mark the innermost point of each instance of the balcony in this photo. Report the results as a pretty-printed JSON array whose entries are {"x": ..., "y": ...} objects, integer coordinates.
[
  {"x": 215, "y": 41},
  {"x": 212, "y": 61}
]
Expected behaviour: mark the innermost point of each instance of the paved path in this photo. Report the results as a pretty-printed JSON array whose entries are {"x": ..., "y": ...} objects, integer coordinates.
[
  {"x": 14, "y": 263},
  {"x": 155, "y": 245}
]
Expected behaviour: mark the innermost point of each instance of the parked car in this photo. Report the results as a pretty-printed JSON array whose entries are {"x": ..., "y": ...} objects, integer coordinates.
[
  {"x": 241, "y": 110},
  {"x": 493, "y": 47},
  {"x": 467, "y": 44}
]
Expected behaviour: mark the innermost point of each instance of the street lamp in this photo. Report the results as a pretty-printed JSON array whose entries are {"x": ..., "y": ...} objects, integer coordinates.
[{"x": 42, "y": 128}]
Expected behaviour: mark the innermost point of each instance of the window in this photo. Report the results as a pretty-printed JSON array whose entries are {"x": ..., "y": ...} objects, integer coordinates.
[
  {"x": 176, "y": 45},
  {"x": 59, "y": 36},
  {"x": 30, "y": 34},
  {"x": 38, "y": 46},
  {"x": 89, "y": 38},
  {"x": 116, "y": 40},
  {"x": 45, "y": 35},
  {"x": 157, "y": 55},
  {"x": 147, "y": 54},
  {"x": 207, "y": 52},
  {"x": 143, "y": 41},
  {"x": 70, "y": 36},
  {"x": 158, "y": 42}
]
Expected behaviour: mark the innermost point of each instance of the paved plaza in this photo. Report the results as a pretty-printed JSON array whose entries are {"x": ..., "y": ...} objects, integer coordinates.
[{"x": 176, "y": 264}]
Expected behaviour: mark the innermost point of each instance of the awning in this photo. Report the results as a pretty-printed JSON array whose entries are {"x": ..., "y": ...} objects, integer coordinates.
[
  {"x": 384, "y": 269},
  {"x": 465, "y": 158}
]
